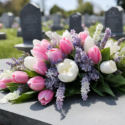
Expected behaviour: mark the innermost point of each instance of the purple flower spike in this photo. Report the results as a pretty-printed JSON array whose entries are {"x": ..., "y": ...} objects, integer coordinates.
[
  {"x": 60, "y": 96},
  {"x": 105, "y": 38},
  {"x": 85, "y": 87}
]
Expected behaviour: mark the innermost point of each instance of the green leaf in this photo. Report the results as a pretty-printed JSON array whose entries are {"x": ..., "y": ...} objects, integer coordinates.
[
  {"x": 12, "y": 84},
  {"x": 101, "y": 88},
  {"x": 115, "y": 80},
  {"x": 71, "y": 90},
  {"x": 5, "y": 90},
  {"x": 73, "y": 53},
  {"x": 105, "y": 54},
  {"x": 12, "y": 88},
  {"x": 24, "y": 97},
  {"x": 31, "y": 73}
]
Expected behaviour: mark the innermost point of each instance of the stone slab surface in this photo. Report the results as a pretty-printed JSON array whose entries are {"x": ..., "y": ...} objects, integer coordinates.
[{"x": 96, "y": 110}]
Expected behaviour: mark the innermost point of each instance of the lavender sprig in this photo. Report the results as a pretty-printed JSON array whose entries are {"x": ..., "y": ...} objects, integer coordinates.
[
  {"x": 52, "y": 80},
  {"x": 76, "y": 41},
  {"x": 72, "y": 32},
  {"x": 85, "y": 87},
  {"x": 23, "y": 88},
  {"x": 82, "y": 60},
  {"x": 120, "y": 41},
  {"x": 105, "y": 38},
  {"x": 17, "y": 64},
  {"x": 60, "y": 95},
  {"x": 93, "y": 74}
]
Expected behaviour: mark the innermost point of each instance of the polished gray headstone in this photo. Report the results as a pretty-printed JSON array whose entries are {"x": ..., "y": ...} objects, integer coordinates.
[{"x": 96, "y": 110}]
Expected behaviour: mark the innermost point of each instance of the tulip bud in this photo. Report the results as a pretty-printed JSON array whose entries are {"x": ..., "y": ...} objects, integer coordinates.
[
  {"x": 54, "y": 54},
  {"x": 95, "y": 54},
  {"x": 40, "y": 49},
  {"x": 66, "y": 46},
  {"x": 88, "y": 44},
  {"x": 45, "y": 96},
  {"x": 29, "y": 61},
  {"x": 67, "y": 35},
  {"x": 108, "y": 67},
  {"x": 36, "y": 83},
  {"x": 40, "y": 67},
  {"x": 113, "y": 46},
  {"x": 4, "y": 81},
  {"x": 20, "y": 77},
  {"x": 83, "y": 36}
]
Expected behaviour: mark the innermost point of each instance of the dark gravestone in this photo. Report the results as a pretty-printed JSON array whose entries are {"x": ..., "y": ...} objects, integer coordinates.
[
  {"x": 56, "y": 22},
  {"x": 114, "y": 20},
  {"x": 76, "y": 22},
  {"x": 86, "y": 19},
  {"x": 7, "y": 19},
  {"x": 2, "y": 35},
  {"x": 30, "y": 17}
]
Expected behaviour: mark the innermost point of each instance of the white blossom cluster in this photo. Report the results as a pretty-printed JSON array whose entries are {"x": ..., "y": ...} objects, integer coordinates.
[
  {"x": 9, "y": 97},
  {"x": 96, "y": 36},
  {"x": 6, "y": 74}
]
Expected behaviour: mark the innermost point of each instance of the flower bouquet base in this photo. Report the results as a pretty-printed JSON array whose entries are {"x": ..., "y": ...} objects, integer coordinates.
[{"x": 65, "y": 66}]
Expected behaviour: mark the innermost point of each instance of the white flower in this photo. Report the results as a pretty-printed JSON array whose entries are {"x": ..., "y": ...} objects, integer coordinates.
[
  {"x": 96, "y": 35},
  {"x": 35, "y": 42},
  {"x": 89, "y": 43},
  {"x": 67, "y": 35},
  {"x": 54, "y": 36},
  {"x": 108, "y": 67},
  {"x": 6, "y": 74},
  {"x": 10, "y": 96},
  {"x": 29, "y": 61},
  {"x": 113, "y": 46},
  {"x": 68, "y": 70}
]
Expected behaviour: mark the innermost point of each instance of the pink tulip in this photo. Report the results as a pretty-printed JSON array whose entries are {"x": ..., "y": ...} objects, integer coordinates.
[
  {"x": 40, "y": 67},
  {"x": 20, "y": 77},
  {"x": 83, "y": 36},
  {"x": 54, "y": 54},
  {"x": 1, "y": 26},
  {"x": 37, "y": 83},
  {"x": 66, "y": 46},
  {"x": 40, "y": 49},
  {"x": 4, "y": 81},
  {"x": 95, "y": 54},
  {"x": 45, "y": 96}
]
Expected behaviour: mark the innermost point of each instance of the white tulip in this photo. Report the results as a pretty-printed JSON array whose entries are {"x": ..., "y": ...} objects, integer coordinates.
[
  {"x": 68, "y": 70},
  {"x": 67, "y": 35},
  {"x": 108, "y": 67},
  {"x": 122, "y": 50},
  {"x": 35, "y": 42},
  {"x": 89, "y": 43},
  {"x": 113, "y": 46},
  {"x": 29, "y": 61}
]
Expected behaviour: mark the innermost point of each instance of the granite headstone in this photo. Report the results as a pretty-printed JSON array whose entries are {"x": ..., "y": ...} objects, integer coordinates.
[
  {"x": 7, "y": 19},
  {"x": 86, "y": 20},
  {"x": 56, "y": 22},
  {"x": 76, "y": 22},
  {"x": 114, "y": 20},
  {"x": 30, "y": 17}
]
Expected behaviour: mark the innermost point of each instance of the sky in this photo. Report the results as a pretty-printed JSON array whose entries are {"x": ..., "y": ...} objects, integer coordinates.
[{"x": 72, "y": 4}]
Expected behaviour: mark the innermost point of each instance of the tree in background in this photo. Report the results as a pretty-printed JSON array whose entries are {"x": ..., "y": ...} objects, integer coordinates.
[
  {"x": 13, "y": 6},
  {"x": 55, "y": 9},
  {"x": 82, "y": 8},
  {"x": 121, "y": 3},
  {"x": 85, "y": 7}
]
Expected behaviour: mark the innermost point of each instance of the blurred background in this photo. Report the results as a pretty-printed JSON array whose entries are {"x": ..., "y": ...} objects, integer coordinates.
[{"x": 91, "y": 12}]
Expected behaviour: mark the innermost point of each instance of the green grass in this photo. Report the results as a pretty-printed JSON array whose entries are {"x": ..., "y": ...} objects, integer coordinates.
[{"x": 7, "y": 49}]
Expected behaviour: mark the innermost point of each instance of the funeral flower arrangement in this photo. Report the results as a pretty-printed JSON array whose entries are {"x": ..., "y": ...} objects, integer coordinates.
[{"x": 64, "y": 66}]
